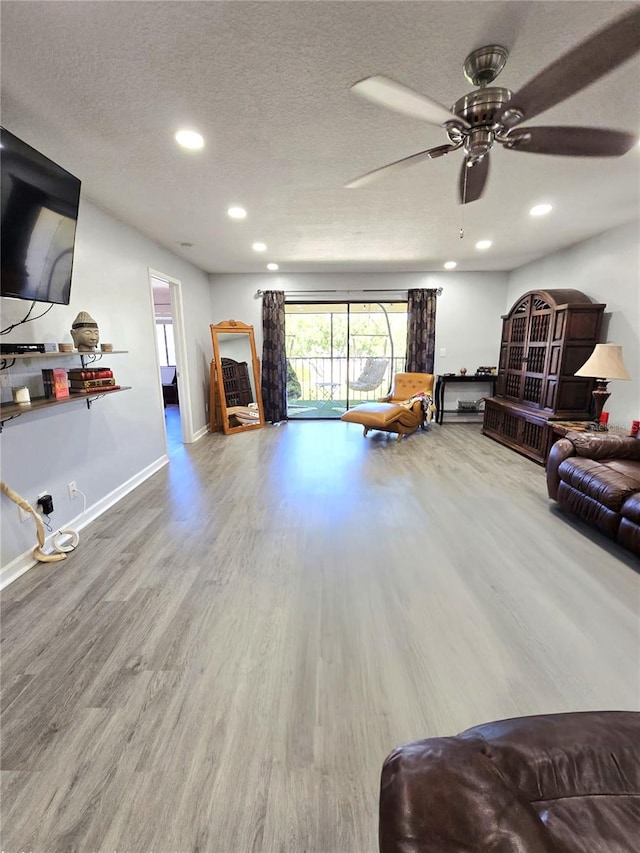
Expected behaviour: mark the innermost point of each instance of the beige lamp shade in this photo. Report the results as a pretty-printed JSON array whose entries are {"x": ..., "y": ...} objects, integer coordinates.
[{"x": 605, "y": 362}]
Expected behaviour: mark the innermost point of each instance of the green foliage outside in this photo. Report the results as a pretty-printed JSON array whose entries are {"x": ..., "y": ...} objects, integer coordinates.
[
  {"x": 325, "y": 333},
  {"x": 316, "y": 346}
]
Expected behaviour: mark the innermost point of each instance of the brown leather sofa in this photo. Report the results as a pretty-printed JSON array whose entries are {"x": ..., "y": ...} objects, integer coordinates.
[
  {"x": 390, "y": 413},
  {"x": 597, "y": 477},
  {"x": 562, "y": 783}
]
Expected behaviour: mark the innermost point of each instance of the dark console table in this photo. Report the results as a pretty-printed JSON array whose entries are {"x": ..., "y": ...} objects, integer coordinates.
[{"x": 441, "y": 383}]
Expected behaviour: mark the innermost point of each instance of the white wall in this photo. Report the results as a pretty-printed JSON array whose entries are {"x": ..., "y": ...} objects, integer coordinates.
[
  {"x": 122, "y": 437},
  {"x": 607, "y": 269},
  {"x": 468, "y": 317}
]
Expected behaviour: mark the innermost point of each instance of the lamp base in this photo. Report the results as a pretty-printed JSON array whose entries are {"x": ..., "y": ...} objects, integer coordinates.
[{"x": 600, "y": 397}]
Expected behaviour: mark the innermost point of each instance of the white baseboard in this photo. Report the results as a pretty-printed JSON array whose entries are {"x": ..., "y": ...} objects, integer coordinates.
[
  {"x": 199, "y": 433},
  {"x": 23, "y": 562}
]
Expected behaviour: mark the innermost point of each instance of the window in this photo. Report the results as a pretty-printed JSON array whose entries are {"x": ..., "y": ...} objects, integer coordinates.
[{"x": 166, "y": 345}]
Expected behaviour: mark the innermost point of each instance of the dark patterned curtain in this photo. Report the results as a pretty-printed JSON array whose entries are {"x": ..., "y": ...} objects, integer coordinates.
[
  {"x": 274, "y": 358},
  {"x": 421, "y": 330}
]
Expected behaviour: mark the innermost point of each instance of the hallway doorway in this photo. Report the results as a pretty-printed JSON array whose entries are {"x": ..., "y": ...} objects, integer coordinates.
[{"x": 170, "y": 351}]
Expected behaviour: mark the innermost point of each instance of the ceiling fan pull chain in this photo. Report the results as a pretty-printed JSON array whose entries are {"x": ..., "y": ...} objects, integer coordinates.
[{"x": 464, "y": 197}]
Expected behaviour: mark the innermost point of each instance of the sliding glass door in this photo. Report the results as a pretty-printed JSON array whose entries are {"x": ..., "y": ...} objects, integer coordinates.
[{"x": 340, "y": 354}]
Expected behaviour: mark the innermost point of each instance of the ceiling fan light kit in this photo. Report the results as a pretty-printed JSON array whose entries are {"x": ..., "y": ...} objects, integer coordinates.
[
  {"x": 491, "y": 114},
  {"x": 540, "y": 210}
]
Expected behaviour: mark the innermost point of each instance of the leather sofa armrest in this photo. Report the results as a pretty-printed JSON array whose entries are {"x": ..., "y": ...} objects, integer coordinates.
[
  {"x": 445, "y": 795},
  {"x": 561, "y": 450}
]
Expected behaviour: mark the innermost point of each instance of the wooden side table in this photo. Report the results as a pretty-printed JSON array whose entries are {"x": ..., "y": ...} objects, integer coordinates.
[{"x": 442, "y": 381}]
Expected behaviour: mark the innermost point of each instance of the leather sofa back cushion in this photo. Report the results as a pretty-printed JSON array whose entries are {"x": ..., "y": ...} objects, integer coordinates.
[
  {"x": 596, "y": 445},
  {"x": 600, "y": 482}
]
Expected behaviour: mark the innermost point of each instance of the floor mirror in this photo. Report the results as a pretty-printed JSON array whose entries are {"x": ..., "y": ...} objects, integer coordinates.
[{"x": 236, "y": 401}]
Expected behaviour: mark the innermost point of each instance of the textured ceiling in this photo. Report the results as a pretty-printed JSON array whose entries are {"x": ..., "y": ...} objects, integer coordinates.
[{"x": 101, "y": 87}]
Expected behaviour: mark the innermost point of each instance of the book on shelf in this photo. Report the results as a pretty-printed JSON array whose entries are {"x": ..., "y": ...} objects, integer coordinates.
[
  {"x": 83, "y": 384},
  {"x": 56, "y": 384},
  {"x": 90, "y": 373},
  {"x": 98, "y": 389}
]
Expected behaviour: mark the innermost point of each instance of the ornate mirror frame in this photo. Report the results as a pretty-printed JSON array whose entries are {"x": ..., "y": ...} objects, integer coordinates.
[{"x": 220, "y": 333}]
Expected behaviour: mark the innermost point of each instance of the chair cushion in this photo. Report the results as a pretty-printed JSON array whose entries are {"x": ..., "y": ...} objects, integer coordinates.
[
  {"x": 382, "y": 415},
  {"x": 405, "y": 385}
]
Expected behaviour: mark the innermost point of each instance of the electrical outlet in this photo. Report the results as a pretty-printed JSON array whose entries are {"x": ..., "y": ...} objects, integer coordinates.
[
  {"x": 5, "y": 380},
  {"x": 443, "y": 352},
  {"x": 23, "y": 515},
  {"x": 73, "y": 490}
]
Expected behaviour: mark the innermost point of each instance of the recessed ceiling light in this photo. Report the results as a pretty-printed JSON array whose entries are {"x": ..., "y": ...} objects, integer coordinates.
[
  {"x": 189, "y": 139},
  {"x": 259, "y": 247},
  {"x": 237, "y": 212},
  {"x": 540, "y": 210},
  {"x": 483, "y": 244},
  {"x": 272, "y": 267},
  {"x": 450, "y": 265}
]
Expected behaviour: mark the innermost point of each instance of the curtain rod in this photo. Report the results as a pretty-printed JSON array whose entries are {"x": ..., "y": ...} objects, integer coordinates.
[{"x": 366, "y": 290}]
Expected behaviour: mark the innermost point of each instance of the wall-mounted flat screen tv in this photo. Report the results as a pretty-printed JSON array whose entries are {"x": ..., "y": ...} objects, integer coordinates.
[{"x": 39, "y": 213}]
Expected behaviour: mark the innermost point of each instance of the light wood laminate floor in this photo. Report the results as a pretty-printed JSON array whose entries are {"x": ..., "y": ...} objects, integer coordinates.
[{"x": 226, "y": 660}]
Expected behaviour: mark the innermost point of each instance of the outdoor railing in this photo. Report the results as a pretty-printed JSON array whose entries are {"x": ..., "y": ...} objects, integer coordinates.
[{"x": 328, "y": 379}]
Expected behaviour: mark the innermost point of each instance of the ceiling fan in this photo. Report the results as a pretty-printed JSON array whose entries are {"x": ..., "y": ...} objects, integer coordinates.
[{"x": 493, "y": 114}]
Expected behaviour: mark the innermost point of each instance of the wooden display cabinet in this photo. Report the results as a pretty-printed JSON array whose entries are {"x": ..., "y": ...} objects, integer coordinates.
[{"x": 546, "y": 337}]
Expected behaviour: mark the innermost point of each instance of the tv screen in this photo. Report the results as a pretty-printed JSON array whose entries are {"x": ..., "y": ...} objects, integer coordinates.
[{"x": 37, "y": 233}]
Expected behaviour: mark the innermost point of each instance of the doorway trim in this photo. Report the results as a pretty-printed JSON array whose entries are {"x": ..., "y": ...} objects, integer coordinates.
[{"x": 179, "y": 336}]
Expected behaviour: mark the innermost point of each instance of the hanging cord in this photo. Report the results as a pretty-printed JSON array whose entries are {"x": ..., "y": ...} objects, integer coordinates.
[
  {"x": 71, "y": 542},
  {"x": 60, "y": 550},
  {"x": 38, "y": 553},
  {"x": 26, "y": 319}
]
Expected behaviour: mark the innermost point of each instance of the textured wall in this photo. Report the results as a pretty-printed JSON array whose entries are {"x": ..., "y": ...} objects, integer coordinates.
[
  {"x": 101, "y": 449},
  {"x": 607, "y": 269},
  {"x": 469, "y": 308}
]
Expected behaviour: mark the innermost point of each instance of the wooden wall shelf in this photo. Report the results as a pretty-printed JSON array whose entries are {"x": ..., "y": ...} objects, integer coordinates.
[
  {"x": 89, "y": 356},
  {"x": 9, "y": 411}
]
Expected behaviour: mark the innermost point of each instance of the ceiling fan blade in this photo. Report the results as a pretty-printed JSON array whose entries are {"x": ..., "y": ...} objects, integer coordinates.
[
  {"x": 590, "y": 60},
  {"x": 430, "y": 154},
  {"x": 387, "y": 93},
  {"x": 571, "y": 141},
  {"x": 473, "y": 179}
]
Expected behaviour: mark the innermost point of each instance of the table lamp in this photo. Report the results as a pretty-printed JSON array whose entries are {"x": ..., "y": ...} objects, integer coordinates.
[{"x": 604, "y": 363}]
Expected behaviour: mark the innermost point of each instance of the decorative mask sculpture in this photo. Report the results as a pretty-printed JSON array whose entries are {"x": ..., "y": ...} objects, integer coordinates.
[{"x": 84, "y": 332}]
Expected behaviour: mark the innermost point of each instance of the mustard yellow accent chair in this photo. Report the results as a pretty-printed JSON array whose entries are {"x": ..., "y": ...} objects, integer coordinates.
[
  {"x": 405, "y": 385},
  {"x": 389, "y": 414}
]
